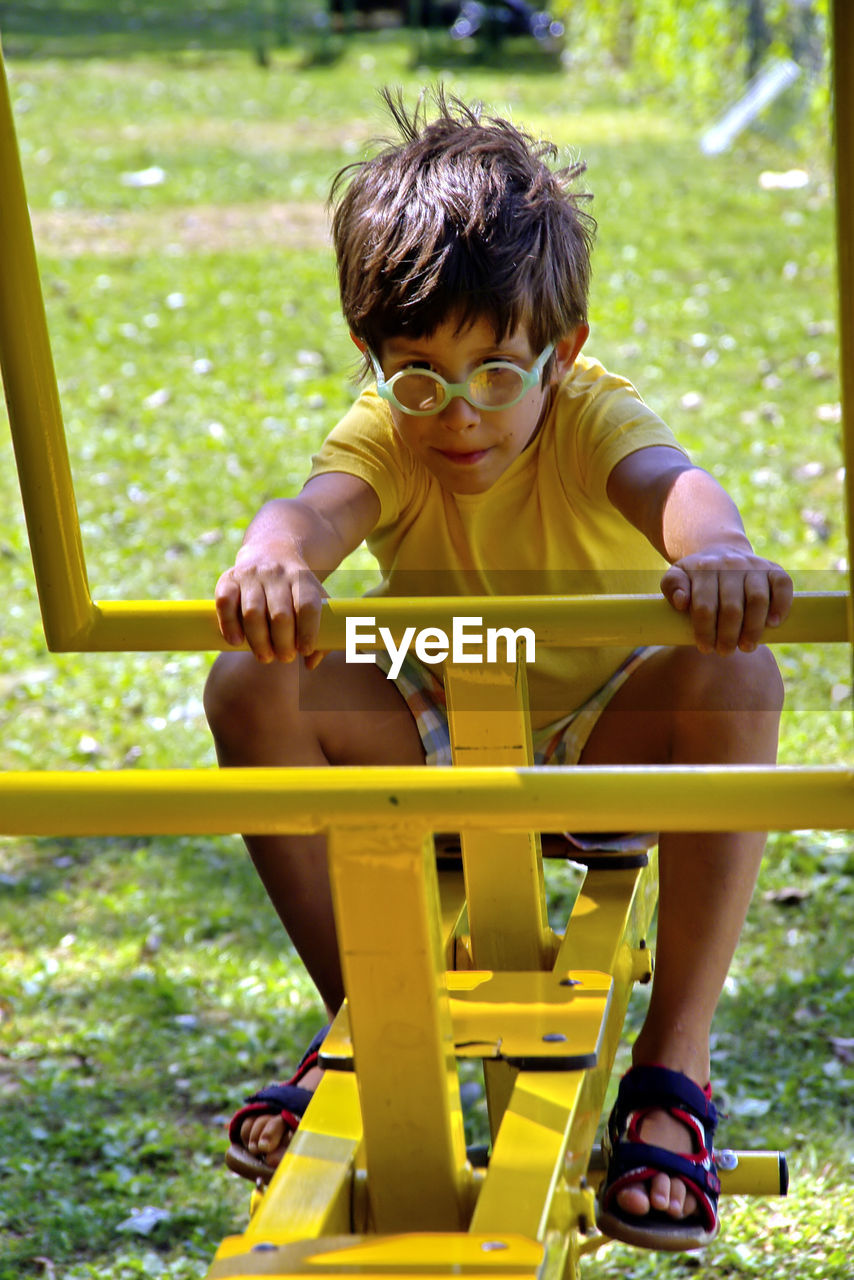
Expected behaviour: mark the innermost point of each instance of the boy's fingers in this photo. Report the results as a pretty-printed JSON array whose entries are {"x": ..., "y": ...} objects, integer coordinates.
[
  {"x": 676, "y": 587},
  {"x": 704, "y": 609},
  {"x": 282, "y": 633},
  {"x": 308, "y": 601},
  {"x": 756, "y": 600},
  {"x": 782, "y": 593},
  {"x": 732, "y": 609},
  {"x": 227, "y": 602},
  {"x": 257, "y": 621}
]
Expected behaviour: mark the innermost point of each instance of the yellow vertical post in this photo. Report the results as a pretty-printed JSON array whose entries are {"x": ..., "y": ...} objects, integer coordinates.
[
  {"x": 34, "y": 411},
  {"x": 490, "y": 724},
  {"x": 387, "y": 914},
  {"x": 843, "y": 130}
]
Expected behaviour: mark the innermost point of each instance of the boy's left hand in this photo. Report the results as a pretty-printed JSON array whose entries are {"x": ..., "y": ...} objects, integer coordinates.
[{"x": 731, "y": 595}]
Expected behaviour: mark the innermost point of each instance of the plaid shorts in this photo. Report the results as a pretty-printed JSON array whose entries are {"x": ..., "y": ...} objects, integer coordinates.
[{"x": 560, "y": 743}]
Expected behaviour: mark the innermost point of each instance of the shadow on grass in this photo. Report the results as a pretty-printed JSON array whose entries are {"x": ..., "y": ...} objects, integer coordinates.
[{"x": 42, "y": 29}]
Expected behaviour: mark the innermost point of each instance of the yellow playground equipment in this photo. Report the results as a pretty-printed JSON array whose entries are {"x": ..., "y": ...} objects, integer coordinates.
[{"x": 460, "y": 960}]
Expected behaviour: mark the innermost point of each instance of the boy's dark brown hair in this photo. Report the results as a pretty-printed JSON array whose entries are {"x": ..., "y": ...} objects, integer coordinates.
[{"x": 461, "y": 217}]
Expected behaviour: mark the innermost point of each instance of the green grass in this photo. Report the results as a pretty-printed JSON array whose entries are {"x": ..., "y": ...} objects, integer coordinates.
[{"x": 146, "y": 985}]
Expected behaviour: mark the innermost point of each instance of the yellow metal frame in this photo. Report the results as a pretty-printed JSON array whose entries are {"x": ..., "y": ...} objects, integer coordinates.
[{"x": 378, "y": 1180}]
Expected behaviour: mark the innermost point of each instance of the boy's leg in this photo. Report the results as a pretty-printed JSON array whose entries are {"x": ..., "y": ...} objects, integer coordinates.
[
  {"x": 684, "y": 707},
  {"x": 280, "y": 714}
]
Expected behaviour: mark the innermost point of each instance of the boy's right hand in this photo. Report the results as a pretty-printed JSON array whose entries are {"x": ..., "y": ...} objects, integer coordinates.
[
  {"x": 272, "y": 600},
  {"x": 271, "y": 597}
]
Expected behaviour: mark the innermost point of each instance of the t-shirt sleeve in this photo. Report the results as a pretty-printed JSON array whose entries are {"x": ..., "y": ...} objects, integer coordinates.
[
  {"x": 607, "y": 420},
  {"x": 364, "y": 444}
]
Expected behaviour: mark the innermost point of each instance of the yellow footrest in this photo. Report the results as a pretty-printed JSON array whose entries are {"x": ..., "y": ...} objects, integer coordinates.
[
  {"x": 742, "y": 1173},
  {"x": 535, "y": 1021}
]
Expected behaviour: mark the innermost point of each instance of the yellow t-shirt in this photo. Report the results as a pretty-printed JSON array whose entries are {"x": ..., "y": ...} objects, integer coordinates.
[{"x": 546, "y": 527}]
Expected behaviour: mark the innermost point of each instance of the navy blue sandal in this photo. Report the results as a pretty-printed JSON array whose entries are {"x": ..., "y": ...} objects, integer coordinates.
[
  {"x": 288, "y": 1100},
  {"x": 630, "y": 1161}
]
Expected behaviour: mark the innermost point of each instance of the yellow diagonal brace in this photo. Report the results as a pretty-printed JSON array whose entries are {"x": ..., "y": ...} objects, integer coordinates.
[
  {"x": 548, "y": 1128},
  {"x": 525, "y": 1168},
  {"x": 311, "y": 1192},
  {"x": 34, "y": 412},
  {"x": 610, "y": 918}
]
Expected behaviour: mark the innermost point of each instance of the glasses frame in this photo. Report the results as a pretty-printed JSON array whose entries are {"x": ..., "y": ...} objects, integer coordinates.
[{"x": 530, "y": 378}]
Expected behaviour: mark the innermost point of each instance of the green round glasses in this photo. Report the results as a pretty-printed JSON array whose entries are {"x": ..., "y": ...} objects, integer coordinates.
[{"x": 497, "y": 384}]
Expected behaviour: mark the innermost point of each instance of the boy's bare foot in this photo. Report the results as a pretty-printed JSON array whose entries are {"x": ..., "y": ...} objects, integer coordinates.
[
  {"x": 661, "y": 1188},
  {"x": 665, "y": 1194},
  {"x": 267, "y": 1136}
]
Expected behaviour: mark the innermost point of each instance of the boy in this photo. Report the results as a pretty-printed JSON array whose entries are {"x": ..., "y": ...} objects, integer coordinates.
[{"x": 493, "y": 453}]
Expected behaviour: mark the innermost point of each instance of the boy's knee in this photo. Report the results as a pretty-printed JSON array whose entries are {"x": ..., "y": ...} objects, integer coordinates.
[
  {"x": 240, "y": 691},
  {"x": 747, "y": 682},
  {"x": 766, "y": 680}
]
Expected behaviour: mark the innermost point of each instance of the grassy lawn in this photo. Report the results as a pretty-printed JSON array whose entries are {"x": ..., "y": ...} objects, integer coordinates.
[{"x": 145, "y": 985}]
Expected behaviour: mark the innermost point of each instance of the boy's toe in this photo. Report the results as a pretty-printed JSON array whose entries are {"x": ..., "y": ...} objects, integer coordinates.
[
  {"x": 271, "y": 1135},
  {"x": 634, "y": 1200},
  {"x": 663, "y": 1194}
]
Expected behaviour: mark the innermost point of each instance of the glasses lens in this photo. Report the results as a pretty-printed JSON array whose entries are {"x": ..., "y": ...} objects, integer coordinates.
[
  {"x": 495, "y": 385},
  {"x": 418, "y": 392}
]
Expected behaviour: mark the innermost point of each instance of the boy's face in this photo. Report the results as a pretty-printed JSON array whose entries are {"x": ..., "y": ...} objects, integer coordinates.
[{"x": 467, "y": 448}]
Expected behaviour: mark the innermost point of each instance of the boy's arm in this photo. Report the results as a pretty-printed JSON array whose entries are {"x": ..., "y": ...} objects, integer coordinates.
[
  {"x": 271, "y": 597},
  {"x": 731, "y": 593}
]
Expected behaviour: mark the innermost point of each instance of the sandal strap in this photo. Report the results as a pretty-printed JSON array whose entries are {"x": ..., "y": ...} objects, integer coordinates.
[
  {"x": 634, "y": 1162},
  {"x": 653, "y": 1088},
  {"x": 287, "y": 1099},
  {"x": 311, "y": 1056},
  {"x": 631, "y": 1161}
]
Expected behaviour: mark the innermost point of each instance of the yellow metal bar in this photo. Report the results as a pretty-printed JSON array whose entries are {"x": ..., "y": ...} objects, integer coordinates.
[
  {"x": 490, "y": 725},
  {"x": 505, "y": 891},
  {"x": 151, "y": 625},
  {"x": 525, "y": 1169},
  {"x": 210, "y": 801},
  {"x": 546, "y": 1137},
  {"x": 34, "y": 412},
  {"x": 530, "y": 1019},
  {"x": 843, "y": 130},
  {"x": 392, "y": 954},
  {"x": 610, "y": 920}
]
